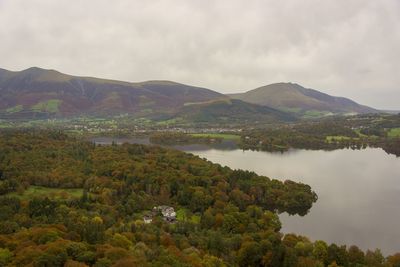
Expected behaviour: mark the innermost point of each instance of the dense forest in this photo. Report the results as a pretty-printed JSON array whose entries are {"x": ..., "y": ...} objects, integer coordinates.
[{"x": 67, "y": 202}]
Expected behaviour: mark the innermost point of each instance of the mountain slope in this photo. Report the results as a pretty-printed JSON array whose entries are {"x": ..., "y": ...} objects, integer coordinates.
[
  {"x": 295, "y": 98},
  {"x": 39, "y": 93}
]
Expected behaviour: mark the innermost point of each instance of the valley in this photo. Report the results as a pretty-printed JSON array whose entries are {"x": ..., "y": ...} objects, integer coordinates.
[
  {"x": 84, "y": 161},
  {"x": 224, "y": 133}
]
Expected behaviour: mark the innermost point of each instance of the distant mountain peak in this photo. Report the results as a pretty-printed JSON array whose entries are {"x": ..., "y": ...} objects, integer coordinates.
[
  {"x": 37, "y": 70},
  {"x": 31, "y": 69},
  {"x": 293, "y": 97}
]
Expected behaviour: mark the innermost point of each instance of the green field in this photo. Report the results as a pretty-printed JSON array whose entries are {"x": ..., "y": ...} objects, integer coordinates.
[
  {"x": 54, "y": 193},
  {"x": 51, "y": 106},
  {"x": 15, "y": 109},
  {"x": 233, "y": 137},
  {"x": 360, "y": 134},
  {"x": 337, "y": 138},
  {"x": 394, "y": 132}
]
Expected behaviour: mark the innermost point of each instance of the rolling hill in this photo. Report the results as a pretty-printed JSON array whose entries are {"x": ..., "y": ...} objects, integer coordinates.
[
  {"x": 294, "y": 98},
  {"x": 37, "y": 93}
]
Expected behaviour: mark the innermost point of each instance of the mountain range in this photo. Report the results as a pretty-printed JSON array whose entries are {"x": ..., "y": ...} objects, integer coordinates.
[{"x": 39, "y": 93}]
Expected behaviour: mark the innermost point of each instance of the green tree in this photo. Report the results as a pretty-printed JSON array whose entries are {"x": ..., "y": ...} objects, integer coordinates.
[
  {"x": 374, "y": 258},
  {"x": 250, "y": 254},
  {"x": 5, "y": 256},
  {"x": 355, "y": 256},
  {"x": 320, "y": 251}
]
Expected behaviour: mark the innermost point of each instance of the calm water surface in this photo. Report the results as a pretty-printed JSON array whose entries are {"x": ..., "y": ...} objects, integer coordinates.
[{"x": 358, "y": 190}]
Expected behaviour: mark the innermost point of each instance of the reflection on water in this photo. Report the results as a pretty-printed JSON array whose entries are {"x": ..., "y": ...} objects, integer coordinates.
[{"x": 358, "y": 192}]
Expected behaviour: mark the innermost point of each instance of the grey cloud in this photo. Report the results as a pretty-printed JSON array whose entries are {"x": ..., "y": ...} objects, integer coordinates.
[{"x": 342, "y": 47}]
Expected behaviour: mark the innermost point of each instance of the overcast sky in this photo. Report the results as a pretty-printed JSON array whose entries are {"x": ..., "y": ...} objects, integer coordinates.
[{"x": 342, "y": 47}]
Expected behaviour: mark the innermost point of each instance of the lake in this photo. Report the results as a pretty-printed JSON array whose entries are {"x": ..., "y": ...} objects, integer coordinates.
[{"x": 358, "y": 190}]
